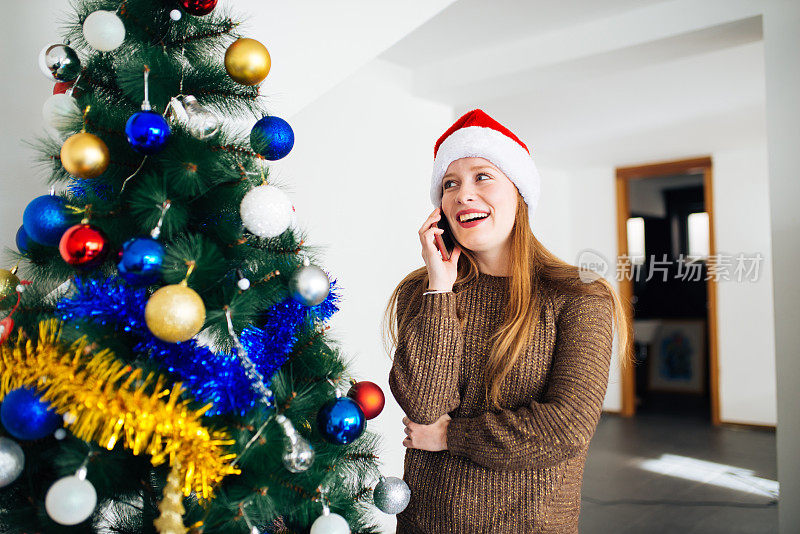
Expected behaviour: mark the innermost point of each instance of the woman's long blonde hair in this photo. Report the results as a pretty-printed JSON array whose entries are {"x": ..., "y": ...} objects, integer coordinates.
[{"x": 532, "y": 266}]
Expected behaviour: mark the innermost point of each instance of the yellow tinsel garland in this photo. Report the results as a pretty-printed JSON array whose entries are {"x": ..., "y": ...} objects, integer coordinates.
[{"x": 109, "y": 401}]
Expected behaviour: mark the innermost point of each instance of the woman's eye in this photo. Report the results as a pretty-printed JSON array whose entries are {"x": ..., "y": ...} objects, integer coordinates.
[{"x": 477, "y": 176}]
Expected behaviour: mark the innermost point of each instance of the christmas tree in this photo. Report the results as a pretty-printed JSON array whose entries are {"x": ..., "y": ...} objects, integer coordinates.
[{"x": 164, "y": 361}]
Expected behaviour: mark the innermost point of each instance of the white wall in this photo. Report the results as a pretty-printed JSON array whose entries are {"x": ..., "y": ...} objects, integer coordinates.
[
  {"x": 746, "y": 336},
  {"x": 359, "y": 176},
  {"x": 590, "y": 207},
  {"x": 23, "y": 92},
  {"x": 782, "y": 60}
]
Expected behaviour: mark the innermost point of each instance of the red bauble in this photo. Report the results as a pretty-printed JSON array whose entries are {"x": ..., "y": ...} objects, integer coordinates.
[
  {"x": 62, "y": 87},
  {"x": 6, "y": 327},
  {"x": 198, "y": 7},
  {"x": 369, "y": 397},
  {"x": 83, "y": 245}
]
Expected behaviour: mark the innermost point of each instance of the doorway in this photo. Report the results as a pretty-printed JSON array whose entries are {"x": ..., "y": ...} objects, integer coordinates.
[{"x": 666, "y": 248}]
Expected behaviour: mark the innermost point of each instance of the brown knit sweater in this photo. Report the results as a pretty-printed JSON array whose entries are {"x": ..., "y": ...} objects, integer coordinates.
[{"x": 516, "y": 470}]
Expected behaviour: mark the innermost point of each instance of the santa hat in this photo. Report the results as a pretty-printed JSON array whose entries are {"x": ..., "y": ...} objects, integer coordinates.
[{"x": 476, "y": 134}]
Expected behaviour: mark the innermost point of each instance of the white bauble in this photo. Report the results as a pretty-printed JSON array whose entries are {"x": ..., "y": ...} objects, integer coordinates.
[
  {"x": 60, "y": 110},
  {"x": 103, "y": 30},
  {"x": 266, "y": 211},
  {"x": 330, "y": 524},
  {"x": 71, "y": 500}
]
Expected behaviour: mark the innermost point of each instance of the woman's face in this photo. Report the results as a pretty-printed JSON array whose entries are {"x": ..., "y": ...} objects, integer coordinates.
[{"x": 476, "y": 184}]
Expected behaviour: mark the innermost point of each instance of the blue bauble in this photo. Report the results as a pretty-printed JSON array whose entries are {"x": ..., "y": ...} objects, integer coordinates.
[
  {"x": 341, "y": 420},
  {"x": 46, "y": 219},
  {"x": 147, "y": 132},
  {"x": 272, "y": 137},
  {"x": 140, "y": 261},
  {"x": 22, "y": 240},
  {"x": 26, "y": 417}
]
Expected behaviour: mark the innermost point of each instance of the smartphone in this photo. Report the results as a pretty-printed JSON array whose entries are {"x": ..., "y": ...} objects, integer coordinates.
[{"x": 444, "y": 241}]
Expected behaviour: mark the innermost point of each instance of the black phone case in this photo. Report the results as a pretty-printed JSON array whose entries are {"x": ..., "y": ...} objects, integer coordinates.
[{"x": 447, "y": 235}]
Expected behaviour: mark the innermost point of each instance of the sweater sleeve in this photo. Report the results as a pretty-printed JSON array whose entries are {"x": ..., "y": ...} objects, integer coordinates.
[
  {"x": 425, "y": 371},
  {"x": 560, "y": 426}
]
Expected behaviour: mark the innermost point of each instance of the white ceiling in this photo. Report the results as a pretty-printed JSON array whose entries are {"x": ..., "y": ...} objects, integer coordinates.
[
  {"x": 469, "y": 25},
  {"x": 316, "y": 44},
  {"x": 599, "y": 82}
]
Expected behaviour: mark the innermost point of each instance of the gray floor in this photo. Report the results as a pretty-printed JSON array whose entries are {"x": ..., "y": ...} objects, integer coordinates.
[{"x": 613, "y": 477}]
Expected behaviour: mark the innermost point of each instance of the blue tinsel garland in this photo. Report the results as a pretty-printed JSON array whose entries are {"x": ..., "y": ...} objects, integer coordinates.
[
  {"x": 83, "y": 188},
  {"x": 215, "y": 377}
]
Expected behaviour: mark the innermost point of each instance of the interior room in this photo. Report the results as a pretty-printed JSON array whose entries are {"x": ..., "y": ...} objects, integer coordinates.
[{"x": 665, "y": 134}]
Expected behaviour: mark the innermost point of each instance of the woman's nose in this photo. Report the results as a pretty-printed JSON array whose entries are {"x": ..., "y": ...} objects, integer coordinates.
[{"x": 466, "y": 193}]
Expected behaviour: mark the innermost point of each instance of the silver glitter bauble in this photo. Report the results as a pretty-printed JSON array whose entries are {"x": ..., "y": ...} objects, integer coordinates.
[
  {"x": 298, "y": 454},
  {"x": 59, "y": 62},
  {"x": 12, "y": 461},
  {"x": 309, "y": 285},
  {"x": 391, "y": 495}
]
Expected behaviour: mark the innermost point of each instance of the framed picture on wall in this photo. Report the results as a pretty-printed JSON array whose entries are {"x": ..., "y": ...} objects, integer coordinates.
[{"x": 678, "y": 357}]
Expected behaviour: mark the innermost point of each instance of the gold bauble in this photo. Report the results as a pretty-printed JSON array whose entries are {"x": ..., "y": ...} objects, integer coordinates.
[
  {"x": 175, "y": 313},
  {"x": 84, "y": 155},
  {"x": 247, "y": 61},
  {"x": 8, "y": 288}
]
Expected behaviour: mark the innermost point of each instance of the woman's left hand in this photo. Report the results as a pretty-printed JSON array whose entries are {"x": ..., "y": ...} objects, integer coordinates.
[{"x": 431, "y": 437}]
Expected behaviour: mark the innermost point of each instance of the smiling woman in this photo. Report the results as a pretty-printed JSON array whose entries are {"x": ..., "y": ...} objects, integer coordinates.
[
  {"x": 502, "y": 359},
  {"x": 480, "y": 201}
]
